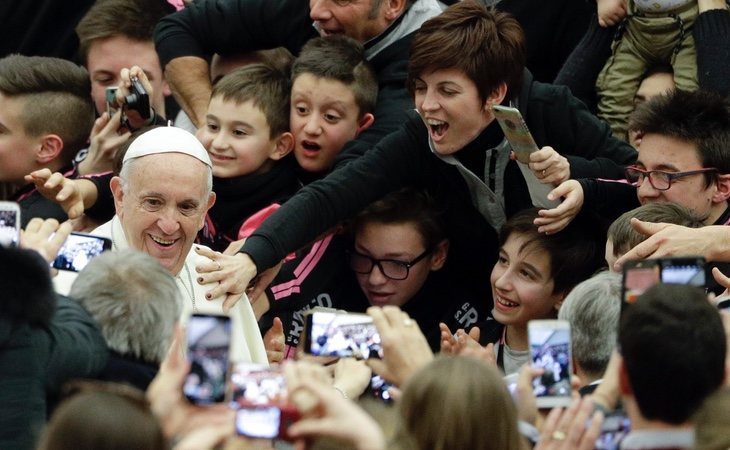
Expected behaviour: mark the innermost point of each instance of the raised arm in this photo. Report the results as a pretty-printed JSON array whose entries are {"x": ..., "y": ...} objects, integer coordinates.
[{"x": 187, "y": 38}]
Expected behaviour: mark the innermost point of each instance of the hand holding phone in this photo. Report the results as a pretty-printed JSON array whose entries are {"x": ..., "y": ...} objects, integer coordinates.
[{"x": 550, "y": 350}]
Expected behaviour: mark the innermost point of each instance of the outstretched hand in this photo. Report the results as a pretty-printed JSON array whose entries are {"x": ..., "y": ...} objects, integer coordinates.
[
  {"x": 550, "y": 221},
  {"x": 57, "y": 188}
]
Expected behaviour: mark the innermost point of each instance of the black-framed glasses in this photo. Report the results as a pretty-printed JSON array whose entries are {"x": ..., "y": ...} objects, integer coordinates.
[
  {"x": 659, "y": 179},
  {"x": 390, "y": 268}
]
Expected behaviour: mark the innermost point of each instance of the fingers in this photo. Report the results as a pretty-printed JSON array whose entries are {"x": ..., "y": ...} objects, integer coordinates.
[
  {"x": 234, "y": 247},
  {"x": 722, "y": 279},
  {"x": 475, "y": 333}
]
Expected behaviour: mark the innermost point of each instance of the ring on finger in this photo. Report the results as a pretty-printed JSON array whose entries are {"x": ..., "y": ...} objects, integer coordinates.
[
  {"x": 408, "y": 322},
  {"x": 544, "y": 171},
  {"x": 558, "y": 435}
]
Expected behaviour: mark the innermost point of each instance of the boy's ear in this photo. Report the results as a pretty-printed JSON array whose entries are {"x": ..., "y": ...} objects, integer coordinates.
[
  {"x": 440, "y": 252},
  {"x": 50, "y": 147},
  {"x": 559, "y": 301},
  {"x": 284, "y": 145},
  {"x": 365, "y": 121},
  {"x": 722, "y": 190}
]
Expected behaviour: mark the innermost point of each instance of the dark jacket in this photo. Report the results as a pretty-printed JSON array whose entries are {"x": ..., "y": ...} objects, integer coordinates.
[
  {"x": 238, "y": 26},
  {"x": 238, "y": 198}
]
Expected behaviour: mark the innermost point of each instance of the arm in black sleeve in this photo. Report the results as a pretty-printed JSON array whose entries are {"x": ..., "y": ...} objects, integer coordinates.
[
  {"x": 712, "y": 41},
  {"x": 232, "y": 27},
  {"x": 608, "y": 199},
  {"x": 77, "y": 348},
  {"x": 398, "y": 160},
  {"x": 103, "y": 210},
  {"x": 580, "y": 71},
  {"x": 563, "y": 122}
]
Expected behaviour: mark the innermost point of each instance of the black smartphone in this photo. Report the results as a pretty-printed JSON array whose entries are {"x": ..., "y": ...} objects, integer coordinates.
[
  {"x": 342, "y": 335},
  {"x": 640, "y": 275},
  {"x": 208, "y": 341},
  {"x": 550, "y": 350},
  {"x": 9, "y": 224},
  {"x": 78, "y": 250}
]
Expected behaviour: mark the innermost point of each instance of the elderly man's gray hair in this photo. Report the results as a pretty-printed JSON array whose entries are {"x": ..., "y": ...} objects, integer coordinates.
[
  {"x": 593, "y": 309},
  {"x": 133, "y": 299}
]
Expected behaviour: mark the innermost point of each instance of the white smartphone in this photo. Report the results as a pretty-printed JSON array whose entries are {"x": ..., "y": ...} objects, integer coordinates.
[
  {"x": 516, "y": 132},
  {"x": 550, "y": 350},
  {"x": 9, "y": 224}
]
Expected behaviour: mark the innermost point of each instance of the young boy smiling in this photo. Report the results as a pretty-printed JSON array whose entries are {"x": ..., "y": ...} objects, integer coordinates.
[{"x": 247, "y": 137}]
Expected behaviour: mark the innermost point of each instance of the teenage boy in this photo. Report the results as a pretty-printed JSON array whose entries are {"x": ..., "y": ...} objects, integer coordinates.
[
  {"x": 46, "y": 115},
  {"x": 246, "y": 134}
]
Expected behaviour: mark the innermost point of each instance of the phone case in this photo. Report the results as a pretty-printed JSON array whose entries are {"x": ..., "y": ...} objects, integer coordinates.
[{"x": 516, "y": 131}]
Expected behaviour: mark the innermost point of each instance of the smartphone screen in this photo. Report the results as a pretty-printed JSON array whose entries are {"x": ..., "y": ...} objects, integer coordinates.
[
  {"x": 515, "y": 131},
  {"x": 379, "y": 389},
  {"x": 342, "y": 335},
  {"x": 261, "y": 422},
  {"x": 615, "y": 427},
  {"x": 256, "y": 384},
  {"x": 111, "y": 100},
  {"x": 208, "y": 339},
  {"x": 689, "y": 271},
  {"x": 9, "y": 224},
  {"x": 638, "y": 277},
  {"x": 550, "y": 351},
  {"x": 78, "y": 250}
]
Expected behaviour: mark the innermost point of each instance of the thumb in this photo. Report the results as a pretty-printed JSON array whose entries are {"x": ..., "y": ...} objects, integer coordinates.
[
  {"x": 561, "y": 190},
  {"x": 278, "y": 326},
  {"x": 475, "y": 333},
  {"x": 647, "y": 228}
]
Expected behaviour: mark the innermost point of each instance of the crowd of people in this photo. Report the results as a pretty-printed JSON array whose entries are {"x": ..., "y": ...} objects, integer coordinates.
[{"x": 256, "y": 164}]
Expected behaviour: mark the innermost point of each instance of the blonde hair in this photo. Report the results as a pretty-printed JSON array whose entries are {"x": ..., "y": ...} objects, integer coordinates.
[{"x": 457, "y": 402}]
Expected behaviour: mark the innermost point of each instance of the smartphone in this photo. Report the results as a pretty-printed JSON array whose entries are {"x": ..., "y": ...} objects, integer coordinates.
[
  {"x": 208, "y": 342},
  {"x": 9, "y": 224},
  {"x": 257, "y": 384},
  {"x": 550, "y": 350},
  {"x": 640, "y": 275},
  {"x": 78, "y": 250},
  {"x": 614, "y": 429},
  {"x": 342, "y": 335},
  {"x": 111, "y": 100},
  {"x": 515, "y": 131},
  {"x": 379, "y": 389},
  {"x": 266, "y": 422}
]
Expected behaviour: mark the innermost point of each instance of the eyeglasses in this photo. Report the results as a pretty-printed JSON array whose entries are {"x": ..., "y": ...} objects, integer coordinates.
[
  {"x": 660, "y": 179},
  {"x": 390, "y": 268}
]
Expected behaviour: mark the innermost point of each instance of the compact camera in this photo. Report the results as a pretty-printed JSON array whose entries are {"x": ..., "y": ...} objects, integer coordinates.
[{"x": 138, "y": 99}]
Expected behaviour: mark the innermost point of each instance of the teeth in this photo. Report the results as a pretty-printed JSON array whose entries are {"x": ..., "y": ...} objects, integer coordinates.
[
  {"x": 435, "y": 122},
  {"x": 506, "y": 302},
  {"x": 162, "y": 241}
]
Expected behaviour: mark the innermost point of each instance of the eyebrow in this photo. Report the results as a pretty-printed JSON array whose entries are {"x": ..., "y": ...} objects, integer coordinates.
[
  {"x": 395, "y": 256},
  {"x": 666, "y": 167},
  {"x": 235, "y": 122}
]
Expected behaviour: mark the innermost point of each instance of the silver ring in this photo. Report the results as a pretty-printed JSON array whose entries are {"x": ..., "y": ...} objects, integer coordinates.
[{"x": 408, "y": 322}]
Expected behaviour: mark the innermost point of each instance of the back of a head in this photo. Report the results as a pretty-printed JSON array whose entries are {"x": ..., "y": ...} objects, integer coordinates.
[
  {"x": 133, "y": 299},
  {"x": 673, "y": 345},
  {"x": 57, "y": 98},
  {"x": 343, "y": 59},
  {"x": 457, "y": 403},
  {"x": 133, "y": 19},
  {"x": 698, "y": 117},
  {"x": 486, "y": 44},
  {"x": 576, "y": 252},
  {"x": 267, "y": 88},
  {"x": 101, "y": 420},
  {"x": 28, "y": 295},
  {"x": 624, "y": 237},
  {"x": 593, "y": 309}
]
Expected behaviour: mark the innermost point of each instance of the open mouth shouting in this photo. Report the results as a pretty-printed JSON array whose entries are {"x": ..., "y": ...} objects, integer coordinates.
[
  {"x": 437, "y": 129},
  {"x": 310, "y": 148}
]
